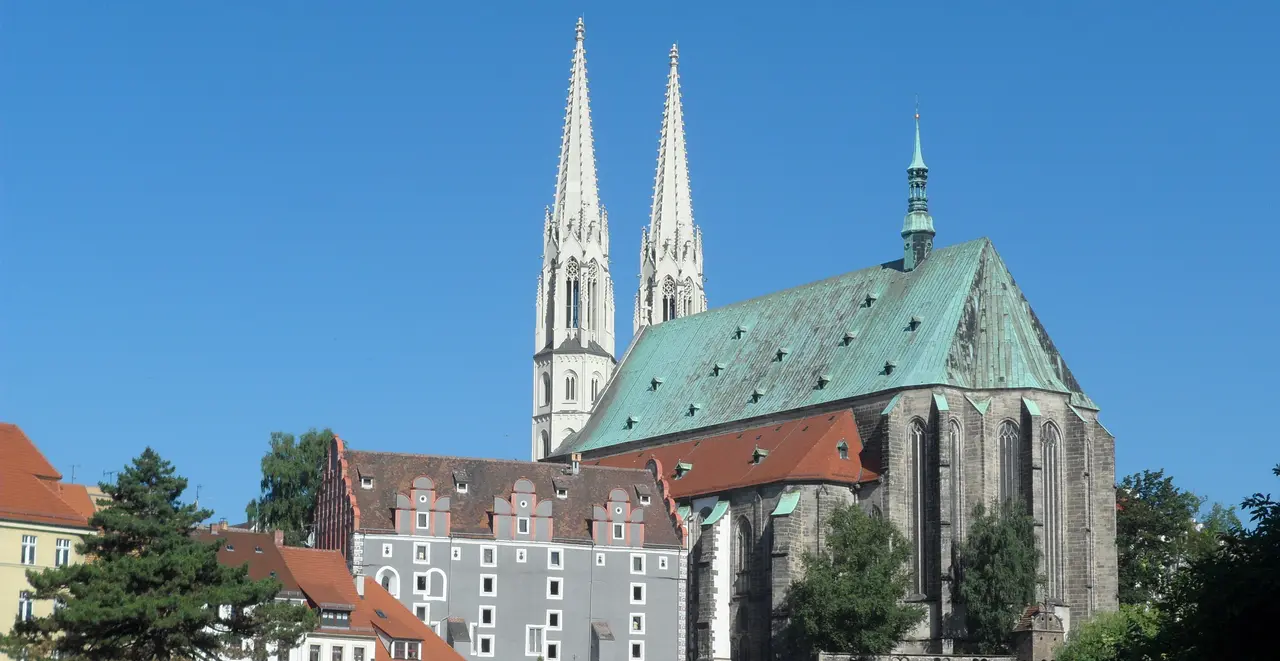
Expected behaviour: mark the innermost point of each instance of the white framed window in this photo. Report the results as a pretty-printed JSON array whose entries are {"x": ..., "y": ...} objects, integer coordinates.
[
  {"x": 456, "y": 553},
  {"x": 662, "y": 562},
  {"x": 422, "y": 553},
  {"x": 488, "y": 585},
  {"x": 637, "y": 651},
  {"x": 423, "y": 521},
  {"x": 599, "y": 559},
  {"x": 644, "y": 500},
  {"x": 636, "y": 627},
  {"x": 555, "y": 587},
  {"x": 618, "y": 531},
  {"x": 533, "y": 640},
  {"x": 389, "y": 579},
  {"x": 62, "y": 553},
  {"x": 522, "y": 555},
  {"x": 637, "y": 594},
  {"x": 28, "y": 549},
  {"x": 422, "y": 611},
  {"x": 462, "y": 487},
  {"x": 437, "y": 588},
  {"x": 555, "y": 558},
  {"x": 484, "y": 644},
  {"x": 522, "y": 525},
  {"x": 488, "y": 617},
  {"x": 421, "y": 582},
  {"x": 562, "y": 493},
  {"x": 386, "y": 550},
  {"x": 488, "y": 556},
  {"x": 553, "y": 650},
  {"x": 366, "y": 482},
  {"x": 26, "y": 605},
  {"x": 555, "y": 620},
  {"x": 435, "y": 626},
  {"x": 637, "y": 563}
]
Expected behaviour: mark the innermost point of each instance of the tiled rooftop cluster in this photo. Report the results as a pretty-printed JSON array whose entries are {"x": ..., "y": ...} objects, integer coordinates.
[{"x": 32, "y": 490}]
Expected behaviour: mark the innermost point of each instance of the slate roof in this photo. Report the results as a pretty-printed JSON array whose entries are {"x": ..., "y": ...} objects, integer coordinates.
[
  {"x": 798, "y": 450},
  {"x": 959, "y": 319},
  {"x": 470, "y": 512}
]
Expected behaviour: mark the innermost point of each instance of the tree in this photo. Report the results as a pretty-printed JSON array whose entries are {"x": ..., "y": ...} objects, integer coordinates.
[
  {"x": 1123, "y": 635},
  {"x": 850, "y": 599},
  {"x": 1155, "y": 521},
  {"x": 150, "y": 590},
  {"x": 280, "y": 626},
  {"x": 291, "y": 473},
  {"x": 996, "y": 568}
]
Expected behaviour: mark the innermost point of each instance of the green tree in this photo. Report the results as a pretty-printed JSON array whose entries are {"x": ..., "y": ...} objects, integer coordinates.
[
  {"x": 291, "y": 473},
  {"x": 280, "y": 626},
  {"x": 996, "y": 568},
  {"x": 150, "y": 590},
  {"x": 1124, "y": 635},
  {"x": 1155, "y": 526},
  {"x": 850, "y": 599}
]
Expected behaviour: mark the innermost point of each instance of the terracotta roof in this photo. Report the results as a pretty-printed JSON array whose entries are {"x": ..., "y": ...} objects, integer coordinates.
[
  {"x": 798, "y": 450},
  {"x": 470, "y": 512},
  {"x": 77, "y": 496},
  {"x": 19, "y": 452},
  {"x": 400, "y": 624},
  {"x": 25, "y": 497},
  {"x": 258, "y": 550},
  {"x": 324, "y": 578}
]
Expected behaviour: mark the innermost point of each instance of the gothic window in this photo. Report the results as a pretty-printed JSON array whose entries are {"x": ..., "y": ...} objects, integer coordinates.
[
  {"x": 593, "y": 310},
  {"x": 918, "y": 473},
  {"x": 742, "y": 543},
  {"x": 688, "y": 297},
  {"x": 668, "y": 299},
  {"x": 955, "y": 436},
  {"x": 546, "y": 389},
  {"x": 573, "y": 296},
  {"x": 1009, "y": 465},
  {"x": 1052, "y": 475},
  {"x": 570, "y": 387},
  {"x": 545, "y": 439},
  {"x": 595, "y": 387}
]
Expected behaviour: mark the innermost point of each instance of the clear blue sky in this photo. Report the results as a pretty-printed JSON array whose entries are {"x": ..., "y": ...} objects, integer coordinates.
[{"x": 223, "y": 219}]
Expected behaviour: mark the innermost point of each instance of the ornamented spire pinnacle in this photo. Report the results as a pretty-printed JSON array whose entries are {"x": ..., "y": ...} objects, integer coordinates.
[
  {"x": 577, "y": 201},
  {"x": 917, "y": 226}
]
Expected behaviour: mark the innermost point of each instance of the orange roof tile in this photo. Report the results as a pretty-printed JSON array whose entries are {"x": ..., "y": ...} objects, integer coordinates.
[
  {"x": 399, "y": 623},
  {"x": 77, "y": 496},
  {"x": 323, "y": 576},
  {"x": 25, "y": 497},
  {"x": 804, "y": 449},
  {"x": 256, "y": 549},
  {"x": 19, "y": 452}
]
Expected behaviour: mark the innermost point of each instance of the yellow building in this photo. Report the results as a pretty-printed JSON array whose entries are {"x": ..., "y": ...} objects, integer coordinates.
[{"x": 41, "y": 521}]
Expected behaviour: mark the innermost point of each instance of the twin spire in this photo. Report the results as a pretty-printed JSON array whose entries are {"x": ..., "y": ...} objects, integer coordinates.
[{"x": 576, "y": 209}]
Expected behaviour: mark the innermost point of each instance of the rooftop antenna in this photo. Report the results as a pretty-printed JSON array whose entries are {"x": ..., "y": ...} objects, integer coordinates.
[
  {"x": 73, "y": 472},
  {"x": 198, "y": 487}
]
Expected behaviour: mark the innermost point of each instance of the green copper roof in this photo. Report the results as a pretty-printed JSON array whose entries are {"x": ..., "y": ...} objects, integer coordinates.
[
  {"x": 940, "y": 401},
  {"x": 718, "y": 511},
  {"x": 1032, "y": 407},
  {"x": 787, "y": 503},
  {"x": 917, "y": 159},
  {"x": 976, "y": 331}
]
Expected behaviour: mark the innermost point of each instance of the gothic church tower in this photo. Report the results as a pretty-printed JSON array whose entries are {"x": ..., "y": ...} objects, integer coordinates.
[
  {"x": 671, "y": 247},
  {"x": 574, "y": 335}
]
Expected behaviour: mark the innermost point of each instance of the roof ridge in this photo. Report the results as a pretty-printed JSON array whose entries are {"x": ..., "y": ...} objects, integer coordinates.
[{"x": 547, "y": 464}]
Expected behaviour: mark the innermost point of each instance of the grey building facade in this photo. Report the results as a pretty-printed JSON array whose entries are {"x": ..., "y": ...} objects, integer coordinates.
[{"x": 513, "y": 560}]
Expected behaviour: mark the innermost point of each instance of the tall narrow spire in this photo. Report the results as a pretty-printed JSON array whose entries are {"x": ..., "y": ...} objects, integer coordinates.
[
  {"x": 577, "y": 203},
  {"x": 671, "y": 248},
  {"x": 917, "y": 226}
]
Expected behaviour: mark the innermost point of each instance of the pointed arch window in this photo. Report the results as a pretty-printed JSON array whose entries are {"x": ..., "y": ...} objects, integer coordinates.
[
  {"x": 595, "y": 387},
  {"x": 1051, "y": 440},
  {"x": 742, "y": 545},
  {"x": 573, "y": 296},
  {"x": 688, "y": 297},
  {"x": 1009, "y": 438},
  {"x": 570, "y": 387},
  {"x": 592, "y": 305},
  {"x": 545, "y": 444},
  {"x": 668, "y": 299},
  {"x": 545, "y": 395},
  {"x": 955, "y": 437},
  {"x": 918, "y": 481}
]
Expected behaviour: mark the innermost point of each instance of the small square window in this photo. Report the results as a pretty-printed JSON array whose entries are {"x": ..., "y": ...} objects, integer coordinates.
[
  {"x": 420, "y": 583},
  {"x": 421, "y": 552},
  {"x": 637, "y": 563},
  {"x": 488, "y": 616},
  {"x": 462, "y": 487},
  {"x": 522, "y": 555},
  {"x": 637, "y": 623},
  {"x": 423, "y": 521},
  {"x": 618, "y": 531},
  {"x": 488, "y": 585},
  {"x": 366, "y": 482},
  {"x": 553, "y": 651},
  {"x": 485, "y": 645},
  {"x": 555, "y": 559},
  {"x": 562, "y": 493},
  {"x": 488, "y": 556},
  {"x": 555, "y": 588},
  {"x": 422, "y": 611},
  {"x": 662, "y": 562},
  {"x": 637, "y": 650},
  {"x": 644, "y": 500},
  {"x": 599, "y": 559},
  {"x": 637, "y": 593},
  {"x": 522, "y": 525},
  {"x": 456, "y": 553},
  {"x": 386, "y": 550},
  {"x": 553, "y": 620}
]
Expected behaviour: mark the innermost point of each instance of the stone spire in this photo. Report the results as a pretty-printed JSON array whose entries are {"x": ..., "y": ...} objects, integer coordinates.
[
  {"x": 671, "y": 248},
  {"x": 917, "y": 226},
  {"x": 573, "y": 337}
]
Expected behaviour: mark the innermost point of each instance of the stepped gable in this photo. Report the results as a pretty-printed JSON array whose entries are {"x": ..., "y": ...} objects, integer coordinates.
[
  {"x": 470, "y": 512},
  {"x": 804, "y": 449},
  {"x": 957, "y": 319}
]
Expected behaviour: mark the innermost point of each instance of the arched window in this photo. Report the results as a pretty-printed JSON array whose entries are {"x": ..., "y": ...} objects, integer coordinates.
[
  {"x": 545, "y": 440},
  {"x": 955, "y": 436},
  {"x": 918, "y": 476},
  {"x": 593, "y": 309},
  {"x": 571, "y": 387},
  {"x": 389, "y": 579},
  {"x": 742, "y": 544},
  {"x": 688, "y": 297},
  {"x": 668, "y": 299},
  {"x": 1009, "y": 460},
  {"x": 573, "y": 296},
  {"x": 1053, "y": 533},
  {"x": 595, "y": 387},
  {"x": 546, "y": 389},
  {"x": 437, "y": 585}
]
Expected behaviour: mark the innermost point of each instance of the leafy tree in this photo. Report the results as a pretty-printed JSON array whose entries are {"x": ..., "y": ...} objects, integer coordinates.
[
  {"x": 291, "y": 473},
  {"x": 997, "y": 573},
  {"x": 280, "y": 625},
  {"x": 1155, "y": 526},
  {"x": 850, "y": 599},
  {"x": 1123, "y": 635},
  {"x": 150, "y": 590}
]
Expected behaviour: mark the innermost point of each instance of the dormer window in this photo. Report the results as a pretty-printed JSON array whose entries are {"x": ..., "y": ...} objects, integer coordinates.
[
  {"x": 562, "y": 493},
  {"x": 335, "y": 619},
  {"x": 843, "y": 449},
  {"x": 257, "y": 549},
  {"x": 462, "y": 487},
  {"x": 682, "y": 468},
  {"x": 644, "y": 500},
  {"x": 461, "y": 480},
  {"x": 366, "y": 482},
  {"x": 758, "y": 455},
  {"x": 405, "y": 649}
]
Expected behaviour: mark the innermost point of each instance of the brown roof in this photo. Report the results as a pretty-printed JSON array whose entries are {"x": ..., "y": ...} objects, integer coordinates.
[
  {"x": 256, "y": 549},
  {"x": 324, "y": 578},
  {"x": 470, "y": 512},
  {"x": 798, "y": 450},
  {"x": 394, "y": 619},
  {"x": 19, "y": 452}
]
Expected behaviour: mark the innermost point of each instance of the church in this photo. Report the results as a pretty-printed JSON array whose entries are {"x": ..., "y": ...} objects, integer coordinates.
[{"x": 915, "y": 388}]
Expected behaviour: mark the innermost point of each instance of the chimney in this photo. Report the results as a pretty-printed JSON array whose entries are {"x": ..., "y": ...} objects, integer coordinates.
[
  {"x": 222, "y": 524},
  {"x": 360, "y": 585},
  {"x": 575, "y": 460},
  {"x": 279, "y": 538}
]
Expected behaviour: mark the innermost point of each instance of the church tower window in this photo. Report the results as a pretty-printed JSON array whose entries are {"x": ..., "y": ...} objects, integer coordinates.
[
  {"x": 1052, "y": 474},
  {"x": 573, "y": 296},
  {"x": 595, "y": 387},
  {"x": 1010, "y": 466},
  {"x": 668, "y": 299},
  {"x": 918, "y": 475},
  {"x": 545, "y": 443},
  {"x": 742, "y": 543},
  {"x": 955, "y": 436},
  {"x": 570, "y": 387},
  {"x": 546, "y": 389}
]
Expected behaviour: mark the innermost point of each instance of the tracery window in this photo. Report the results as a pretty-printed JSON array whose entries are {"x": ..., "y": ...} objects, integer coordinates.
[
  {"x": 1053, "y": 533},
  {"x": 595, "y": 387},
  {"x": 573, "y": 296},
  {"x": 918, "y": 477},
  {"x": 668, "y": 299},
  {"x": 688, "y": 297},
  {"x": 742, "y": 543},
  {"x": 955, "y": 436},
  {"x": 593, "y": 311},
  {"x": 571, "y": 387},
  {"x": 1009, "y": 439}
]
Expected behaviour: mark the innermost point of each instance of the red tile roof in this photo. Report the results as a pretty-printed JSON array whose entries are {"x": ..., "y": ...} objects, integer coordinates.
[
  {"x": 29, "y": 488},
  {"x": 323, "y": 576},
  {"x": 399, "y": 623},
  {"x": 256, "y": 549},
  {"x": 19, "y": 452},
  {"x": 77, "y": 496},
  {"x": 798, "y": 450}
]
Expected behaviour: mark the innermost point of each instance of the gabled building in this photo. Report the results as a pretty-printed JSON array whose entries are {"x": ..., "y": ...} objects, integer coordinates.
[
  {"x": 515, "y": 559},
  {"x": 917, "y": 388},
  {"x": 358, "y": 621},
  {"x": 42, "y": 519}
]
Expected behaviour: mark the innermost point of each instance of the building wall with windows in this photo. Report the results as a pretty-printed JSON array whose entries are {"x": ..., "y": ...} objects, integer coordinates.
[{"x": 31, "y": 547}]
